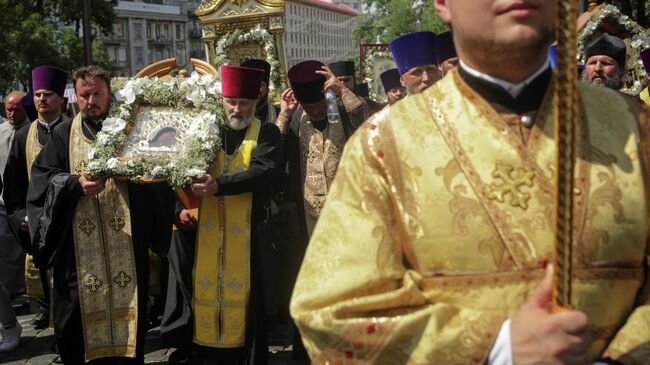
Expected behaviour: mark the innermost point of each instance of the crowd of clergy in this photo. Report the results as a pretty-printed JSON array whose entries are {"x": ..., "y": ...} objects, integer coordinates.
[{"x": 417, "y": 256}]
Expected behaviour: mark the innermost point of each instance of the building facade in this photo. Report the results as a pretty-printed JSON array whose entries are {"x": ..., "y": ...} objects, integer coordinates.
[
  {"x": 318, "y": 30},
  {"x": 147, "y": 32}
]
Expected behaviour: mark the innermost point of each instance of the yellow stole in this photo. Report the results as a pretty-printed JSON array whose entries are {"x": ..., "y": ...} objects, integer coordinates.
[
  {"x": 222, "y": 264},
  {"x": 320, "y": 153},
  {"x": 106, "y": 272},
  {"x": 645, "y": 96},
  {"x": 33, "y": 284}
]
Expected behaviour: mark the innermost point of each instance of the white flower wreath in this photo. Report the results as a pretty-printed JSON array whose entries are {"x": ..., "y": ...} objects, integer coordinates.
[
  {"x": 639, "y": 42},
  {"x": 198, "y": 96},
  {"x": 258, "y": 35},
  {"x": 372, "y": 55}
]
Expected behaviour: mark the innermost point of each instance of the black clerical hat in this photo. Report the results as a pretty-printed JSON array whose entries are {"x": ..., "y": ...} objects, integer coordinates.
[
  {"x": 342, "y": 68},
  {"x": 607, "y": 45},
  {"x": 262, "y": 65}
]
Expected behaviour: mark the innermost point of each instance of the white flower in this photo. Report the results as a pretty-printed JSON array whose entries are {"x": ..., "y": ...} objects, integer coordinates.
[
  {"x": 130, "y": 164},
  {"x": 195, "y": 94},
  {"x": 112, "y": 163},
  {"x": 91, "y": 154},
  {"x": 157, "y": 171},
  {"x": 113, "y": 125},
  {"x": 93, "y": 165},
  {"x": 124, "y": 112},
  {"x": 206, "y": 145},
  {"x": 126, "y": 96},
  {"x": 214, "y": 88},
  {"x": 197, "y": 173},
  {"x": 103, "y": 139}
]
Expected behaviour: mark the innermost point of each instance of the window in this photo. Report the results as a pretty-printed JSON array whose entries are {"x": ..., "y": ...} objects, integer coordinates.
[
  {"x": 179, "y": 31},
  {"x": 139, "y": 55},
  {"x": 149, "y": 36},
  {"x": 118, "y": 29},
  {"x": 166, "y": 31},
  {"x": 121, "y": 55},
  {"x": 137, "y": 30},
  {"x": 157, "y": 30}
]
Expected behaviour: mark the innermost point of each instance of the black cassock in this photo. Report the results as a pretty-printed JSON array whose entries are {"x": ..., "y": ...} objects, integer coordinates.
[
  {"x": 51, "y": 201},
  {"x": 176, "y": 327}
]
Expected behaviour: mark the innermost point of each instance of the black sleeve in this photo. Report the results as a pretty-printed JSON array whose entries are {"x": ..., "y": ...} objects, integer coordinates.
[
  {"x": 52, "y": 161},
  {"x": 15, "y": 187},
  {"x": 152, "y": 215},
  {"x": 263, "y": 167},
  {"x": 353, "y": 119}
]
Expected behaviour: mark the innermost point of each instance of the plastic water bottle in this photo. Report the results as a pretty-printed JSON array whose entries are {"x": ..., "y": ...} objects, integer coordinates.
[{"x": 332, "y": 108}]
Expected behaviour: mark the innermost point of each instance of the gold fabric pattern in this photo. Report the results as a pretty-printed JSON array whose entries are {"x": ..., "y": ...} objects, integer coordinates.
[
  {"x": 509, "y": 182},
  {"x": 320, "y": 153},
  {"x": 439, "y": 264},
  {"x": 105, "y": 263}
]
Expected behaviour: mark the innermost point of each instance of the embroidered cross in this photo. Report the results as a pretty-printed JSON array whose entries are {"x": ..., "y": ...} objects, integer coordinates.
[
  {"x": 205, "y": 282},
  {"x": 93, "y": 283},
  {"x": 235, "y": 285},
  {"x": 117, "y": 223},
  {"x": 511, "y": 182},
  {"x": 317, "y": 205},
  {"x": 234, "y": 229},
  {"x": 87, "y": 226},
  {"x": 314, "y": 177},
  {"x": 122, "y": 279},
  {"x": 312, "y": 155}
]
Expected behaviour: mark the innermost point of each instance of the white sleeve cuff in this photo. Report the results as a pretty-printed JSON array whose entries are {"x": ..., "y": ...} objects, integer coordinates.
[{"x": 501, "y": 353}]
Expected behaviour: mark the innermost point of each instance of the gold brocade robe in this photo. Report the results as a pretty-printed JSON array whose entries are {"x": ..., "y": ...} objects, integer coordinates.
[
  {"x": 645, "y": 96},
  {"x": 439, "y": 221},
  {"x": 106, "y": 271}
]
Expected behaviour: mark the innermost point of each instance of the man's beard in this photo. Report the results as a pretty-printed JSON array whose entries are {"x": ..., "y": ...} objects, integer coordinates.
[
  {"x": 614, "y": 81},
  {"x": 504, "y": 53},
  {"x": 238, "y": 122}
]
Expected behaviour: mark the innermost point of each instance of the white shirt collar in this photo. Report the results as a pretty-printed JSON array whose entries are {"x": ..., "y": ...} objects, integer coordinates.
[
  {"x": 49, "y": 125},
  {"x": 513, "y": 89}
]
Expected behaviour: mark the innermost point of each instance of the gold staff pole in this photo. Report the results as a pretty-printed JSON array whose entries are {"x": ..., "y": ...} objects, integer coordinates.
[{"x": 566, "y": 116}]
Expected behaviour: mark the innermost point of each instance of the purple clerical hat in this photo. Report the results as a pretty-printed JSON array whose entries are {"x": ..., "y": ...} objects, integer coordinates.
[
  {"x": 413, "y": 50},
  {"x": 306, "y": 84},
  {"x": 645, "y": 58},
  {"x": 49, "y": 78},
  {"x": 445, "y": 48}
]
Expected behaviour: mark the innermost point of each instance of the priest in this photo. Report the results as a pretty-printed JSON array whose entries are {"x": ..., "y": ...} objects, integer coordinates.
[
  {"x": 48, "y": 84},
  {"x": 433, "y": 244},
  {"x": 345, "y": 71},
  {"x": 446, "y": 52},
  {"x": 265, "y": 111},
  {"x": 390, "y": 80},
  {"x": 416, "y": 60},
  {"x": 96, "y": 233},
  {"x": 232, "y": 268}
]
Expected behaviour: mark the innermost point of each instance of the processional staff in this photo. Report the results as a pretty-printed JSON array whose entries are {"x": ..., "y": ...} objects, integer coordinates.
[{"x": 566, "y": 116}]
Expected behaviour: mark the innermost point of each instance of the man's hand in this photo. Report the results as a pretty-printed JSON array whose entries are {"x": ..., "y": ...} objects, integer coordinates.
[
  {"x": 90, "y": 185},
  {"x": 186, "y": 220},
  {"x": 288, "y": 102},
  {"x": 205, "y": 186},
  {"x": 331, "y": 82},
  {"x": 541, "y": 337}
]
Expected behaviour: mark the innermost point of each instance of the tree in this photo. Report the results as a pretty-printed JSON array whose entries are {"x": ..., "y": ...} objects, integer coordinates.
[
  {"x": 386, "y": 20},
  {"x": 41, "y": 32}
]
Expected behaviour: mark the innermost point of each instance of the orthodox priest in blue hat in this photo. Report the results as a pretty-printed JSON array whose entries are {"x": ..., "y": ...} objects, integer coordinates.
[
  {"x": 415, "y": 56},
  {"x": 433, "y": 244}
]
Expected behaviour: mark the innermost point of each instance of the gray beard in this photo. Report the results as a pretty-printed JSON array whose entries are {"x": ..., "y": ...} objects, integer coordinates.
[
  {"x": 614, "y": 82},
  {"x": 237, "y": 124}
]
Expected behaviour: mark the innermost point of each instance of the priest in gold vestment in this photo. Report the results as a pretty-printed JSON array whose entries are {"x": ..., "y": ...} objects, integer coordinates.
[
  {"x": 432, "y": 246},
  {"x": 96, "y": 234}
]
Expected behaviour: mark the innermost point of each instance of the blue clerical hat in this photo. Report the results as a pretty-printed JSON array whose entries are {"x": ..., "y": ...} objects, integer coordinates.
[
  {"x": 413, "y": 50},
  {"x": 445, "y": 48}
]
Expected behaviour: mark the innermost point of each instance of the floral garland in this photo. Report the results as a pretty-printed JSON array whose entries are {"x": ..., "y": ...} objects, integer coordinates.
[
  {"x": 639, "y": 42},
  {"x": 373, "y": 54},
  {"x": 256, "y": 35},
  {"x": 197, "y": 96}
]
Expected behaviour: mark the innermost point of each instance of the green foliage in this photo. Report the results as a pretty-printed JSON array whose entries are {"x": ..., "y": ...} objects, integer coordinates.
[
  {"x": 41, "y": 32},
  {"x": 389, "y": 19}
]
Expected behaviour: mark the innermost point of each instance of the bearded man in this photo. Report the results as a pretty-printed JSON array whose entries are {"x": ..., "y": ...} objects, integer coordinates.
[{"x": 228, "y": 289}]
